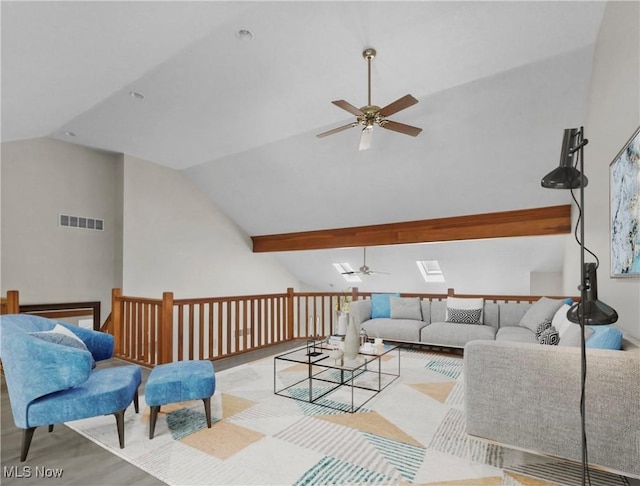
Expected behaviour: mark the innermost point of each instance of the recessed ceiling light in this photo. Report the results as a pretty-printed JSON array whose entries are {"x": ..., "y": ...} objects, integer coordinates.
[
  {"x": 69, "y": 134},
  {"x": 244, "y": 34},
  {"x": 136, "y": 95}
]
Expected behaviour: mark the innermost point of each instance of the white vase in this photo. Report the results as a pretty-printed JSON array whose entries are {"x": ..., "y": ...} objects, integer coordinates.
[
  {"x": 343, "y": 322},
  {"x": 351, "y": 341}
]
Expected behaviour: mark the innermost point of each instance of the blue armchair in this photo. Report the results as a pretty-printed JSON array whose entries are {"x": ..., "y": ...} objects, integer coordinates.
[{"x": 50, "y": 376}]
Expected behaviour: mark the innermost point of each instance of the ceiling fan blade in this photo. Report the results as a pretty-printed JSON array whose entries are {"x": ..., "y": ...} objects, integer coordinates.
[
  {"x": 400, "y": 104},
  {"x": 365, "y": 138},
  {"x": 401, "y": 128},
  {"x": 336, "y": 130},
  {"x": 348, "y": 107}
]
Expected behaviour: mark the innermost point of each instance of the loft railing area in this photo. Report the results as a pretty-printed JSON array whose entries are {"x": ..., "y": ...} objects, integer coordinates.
[{"x": 155, "y": 331}]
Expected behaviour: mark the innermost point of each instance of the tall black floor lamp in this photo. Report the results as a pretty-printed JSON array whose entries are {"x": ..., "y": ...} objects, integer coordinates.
[{"x": 589, "y": 311}]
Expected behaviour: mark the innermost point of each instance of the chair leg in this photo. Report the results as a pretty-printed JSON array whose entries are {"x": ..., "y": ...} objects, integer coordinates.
[
  {"x": 50, "y": 428},
  {"x": 152, "y": 420},
  {"x": 27, "y": 435},
  {"x": 135, "y": 401},
  {"x": 120, "y": 424},
  {"x": 207, "y": 410}
]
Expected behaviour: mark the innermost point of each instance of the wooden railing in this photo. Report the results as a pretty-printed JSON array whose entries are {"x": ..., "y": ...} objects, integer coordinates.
[
  {"x": 11, "y": 303},
  {"x": 57, "y": 310},
  {"x": 155, "y": 331}
]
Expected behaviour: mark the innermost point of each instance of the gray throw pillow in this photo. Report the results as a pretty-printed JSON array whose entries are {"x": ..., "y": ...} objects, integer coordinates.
[
  {"x": 61, "y": 335},
  {"x": 406, "y": 308},
  {"x": 544, "y": 308}
]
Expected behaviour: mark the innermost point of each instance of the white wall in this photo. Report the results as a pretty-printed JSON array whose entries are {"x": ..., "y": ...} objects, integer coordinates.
[
  {"x": 175, "y": 239},
  {"x": 613, "y": 115},
  {"x": 546, "y": 283},
  {"x": 42, "y": 178}
]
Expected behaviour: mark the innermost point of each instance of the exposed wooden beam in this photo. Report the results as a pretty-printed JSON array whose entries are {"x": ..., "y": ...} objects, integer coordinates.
[{"x": 553, "y": 220}]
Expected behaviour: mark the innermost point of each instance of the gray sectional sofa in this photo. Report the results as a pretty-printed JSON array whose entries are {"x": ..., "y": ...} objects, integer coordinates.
[
  {"x": 501, "y": 321},
  {"x": 527, "y": 397},
  {"x": 524, "y": 395}
]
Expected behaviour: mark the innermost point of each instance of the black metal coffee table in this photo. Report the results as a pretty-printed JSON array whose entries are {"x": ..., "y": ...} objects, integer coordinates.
[{"x": 345, "y": 385}]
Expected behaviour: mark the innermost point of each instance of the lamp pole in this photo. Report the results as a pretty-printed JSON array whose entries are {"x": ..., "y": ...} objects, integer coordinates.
[{"x": 585, "y": 311}]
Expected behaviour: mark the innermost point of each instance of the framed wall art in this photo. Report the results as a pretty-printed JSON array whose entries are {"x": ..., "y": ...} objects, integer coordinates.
[{"x": 624, "y": 197}]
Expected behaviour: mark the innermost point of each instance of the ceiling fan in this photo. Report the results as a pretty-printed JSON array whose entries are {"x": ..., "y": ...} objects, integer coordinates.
[
  {"x": 371, "y": 115},
  {"x": 364, "y": 269}
]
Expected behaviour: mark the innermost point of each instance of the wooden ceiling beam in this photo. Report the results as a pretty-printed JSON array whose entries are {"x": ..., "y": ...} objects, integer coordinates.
[{"x": 552, "y": 220}]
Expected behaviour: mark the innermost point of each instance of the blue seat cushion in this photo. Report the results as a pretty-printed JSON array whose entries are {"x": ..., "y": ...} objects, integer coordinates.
[
  {"x": 106, "y": 391},
  {"x": 180, "y": 381}
]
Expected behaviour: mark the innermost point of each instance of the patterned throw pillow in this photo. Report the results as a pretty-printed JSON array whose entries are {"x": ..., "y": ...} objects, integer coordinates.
[
  {"x": 549, "y": 336},
  {"x": 463, "y": 316},
  {"x": 544, "y": 325}
]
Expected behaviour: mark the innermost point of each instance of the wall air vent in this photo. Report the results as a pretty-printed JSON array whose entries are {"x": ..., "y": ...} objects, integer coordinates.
[{"x": 80, "y": 222}]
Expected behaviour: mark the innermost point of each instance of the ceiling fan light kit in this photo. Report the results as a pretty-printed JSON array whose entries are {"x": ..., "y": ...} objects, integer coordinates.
[{"x": 370, "y": 115}]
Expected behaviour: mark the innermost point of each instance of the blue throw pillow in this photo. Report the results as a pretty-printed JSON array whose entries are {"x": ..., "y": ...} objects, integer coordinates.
[
  {"x": 605, "y": 337},
  {"x": 381, "y": 305}
]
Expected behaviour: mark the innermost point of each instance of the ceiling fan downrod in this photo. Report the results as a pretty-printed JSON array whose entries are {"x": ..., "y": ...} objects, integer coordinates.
[{"x": 369, "y": 55}]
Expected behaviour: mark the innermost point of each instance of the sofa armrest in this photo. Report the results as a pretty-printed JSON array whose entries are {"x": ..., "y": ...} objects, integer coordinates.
[
  {"x": 360, "y": 311},
  {"x": 528, "y": 396}
]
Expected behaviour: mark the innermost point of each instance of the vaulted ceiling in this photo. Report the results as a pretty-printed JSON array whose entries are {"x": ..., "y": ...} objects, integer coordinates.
[{"x": 497, "y": 82}]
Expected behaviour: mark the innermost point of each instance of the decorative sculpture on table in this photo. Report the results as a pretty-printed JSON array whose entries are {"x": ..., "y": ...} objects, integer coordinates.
[{"x": 351, "y": 341}]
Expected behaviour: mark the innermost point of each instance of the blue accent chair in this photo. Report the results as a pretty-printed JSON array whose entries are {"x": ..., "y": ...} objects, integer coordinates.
[{"x": 52, "y": 381}]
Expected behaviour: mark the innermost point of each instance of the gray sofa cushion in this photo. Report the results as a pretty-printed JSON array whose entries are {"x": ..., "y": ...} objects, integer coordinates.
[
  {"x": 511, "y": 313},
  {"x": 438, "y": 310},
  {"x": 516, "y": 334},
  {"x": 544, "y": 308},
  {"x": 426, "y": 310},
  {"x": 405, "y": 308},
  {"x": 455, "y": 335},
  {"x": 394, "y": 329},
  {"x": 491, "y": 314}
]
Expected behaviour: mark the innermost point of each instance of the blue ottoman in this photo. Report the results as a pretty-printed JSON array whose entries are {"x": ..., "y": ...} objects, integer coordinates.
[{"x": 178, "y": 382}]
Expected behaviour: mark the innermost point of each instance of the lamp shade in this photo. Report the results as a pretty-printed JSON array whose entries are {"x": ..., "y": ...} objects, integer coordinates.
[
  {"x": 590, "y": 311},
  {"x": 566, "y": 176}
]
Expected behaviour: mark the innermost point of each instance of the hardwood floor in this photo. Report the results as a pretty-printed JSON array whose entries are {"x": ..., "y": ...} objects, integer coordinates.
[{"x": 81, "y": 461}]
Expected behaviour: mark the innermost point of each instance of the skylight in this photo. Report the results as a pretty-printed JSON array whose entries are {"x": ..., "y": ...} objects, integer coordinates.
[
  {"x": 344, "y": 269},
  {"x": 430, "y": 270}
]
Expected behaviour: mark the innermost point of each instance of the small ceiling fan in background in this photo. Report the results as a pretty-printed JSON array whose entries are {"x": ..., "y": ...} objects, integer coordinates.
[
  {"x": 371, "y": 115},
  {"x": 364, "y": 269}
]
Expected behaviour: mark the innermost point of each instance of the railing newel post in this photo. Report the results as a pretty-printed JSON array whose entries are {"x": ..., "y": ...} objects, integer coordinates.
[
  {"x": 116, "y": 320},
  {"x": 166, "y": 355},
  {"x": 13, "y": 302},
  {"x": 354, "y": 293}
]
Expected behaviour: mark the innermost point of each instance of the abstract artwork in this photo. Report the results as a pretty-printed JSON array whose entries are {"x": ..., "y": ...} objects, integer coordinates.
[{"x": 624, "y": 191}]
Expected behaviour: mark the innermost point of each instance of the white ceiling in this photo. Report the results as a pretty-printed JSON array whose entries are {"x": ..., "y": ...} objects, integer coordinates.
[{"x": 497, "y": 82}]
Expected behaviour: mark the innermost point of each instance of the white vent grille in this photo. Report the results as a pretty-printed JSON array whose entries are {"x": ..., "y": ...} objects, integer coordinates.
[{"x": 81, "y": 222}]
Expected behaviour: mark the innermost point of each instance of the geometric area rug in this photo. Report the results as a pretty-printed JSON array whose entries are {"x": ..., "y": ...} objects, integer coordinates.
[{"x": 413, "y": 432}]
